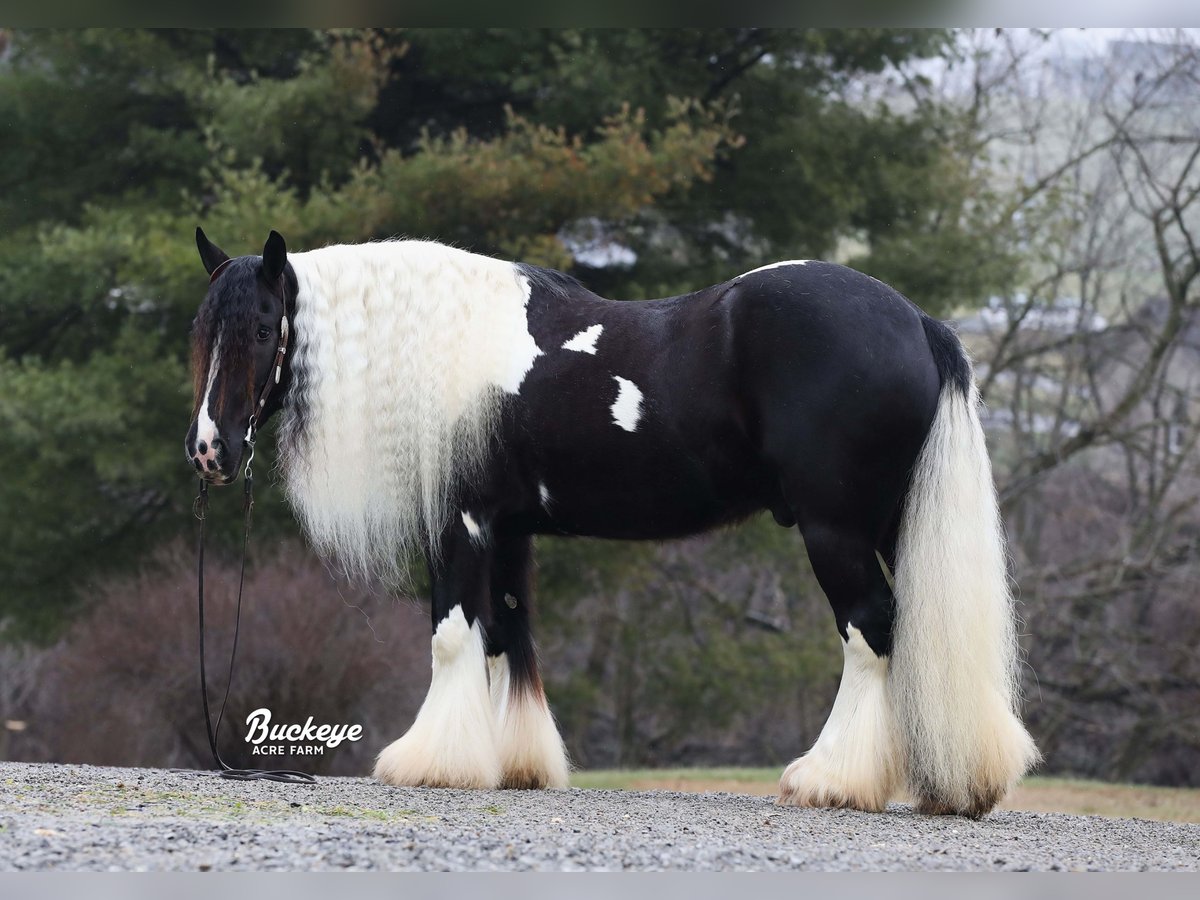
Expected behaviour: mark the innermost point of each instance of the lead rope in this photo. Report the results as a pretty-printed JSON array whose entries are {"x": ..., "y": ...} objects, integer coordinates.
[{"x": 200, "y": 508}]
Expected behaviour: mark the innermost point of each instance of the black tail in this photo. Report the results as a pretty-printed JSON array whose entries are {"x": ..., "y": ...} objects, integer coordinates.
[{"x": 948, "y": 354}]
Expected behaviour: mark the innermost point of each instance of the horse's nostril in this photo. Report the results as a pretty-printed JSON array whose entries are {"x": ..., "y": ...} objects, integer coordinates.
[
  {"x": 196, "y": 463},
  {"x": 212, "y": 465},
  {"x": 203, "y": 447}
]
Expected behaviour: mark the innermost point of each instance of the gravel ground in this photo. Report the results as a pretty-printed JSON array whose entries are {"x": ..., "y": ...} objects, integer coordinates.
[{"x": 73, "y": 818}]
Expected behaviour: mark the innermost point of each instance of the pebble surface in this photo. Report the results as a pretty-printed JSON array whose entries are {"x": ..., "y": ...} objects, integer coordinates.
[{"x": 86, "y": 818}]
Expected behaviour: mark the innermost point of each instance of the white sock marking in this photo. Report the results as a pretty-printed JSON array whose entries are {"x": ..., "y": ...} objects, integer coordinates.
[
  {"x": 856, "y": 756},
  {"x": 453, "y": 742},
  {"x": 498, "y": 684},
  {"x": 585, "y": 341},
  {"x": 531, "y": 750},
  {"x": 627, "y": 409},
  {"x": 544, "y": 494}
]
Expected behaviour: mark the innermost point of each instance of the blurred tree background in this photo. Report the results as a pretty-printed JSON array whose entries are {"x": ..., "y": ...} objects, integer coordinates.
[{"x": 645, "y": 162}]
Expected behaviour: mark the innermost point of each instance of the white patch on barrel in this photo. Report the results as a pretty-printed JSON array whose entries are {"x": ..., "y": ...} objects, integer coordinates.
[
  {"x": 776, "y": 265},
  {"x": 585, "y": 341},
  {"x": 473, "y": 529},
  {"x": 627, "y": 408}
]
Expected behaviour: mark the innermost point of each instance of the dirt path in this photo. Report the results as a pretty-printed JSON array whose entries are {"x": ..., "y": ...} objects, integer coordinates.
[{"x": 87, "y": 818}]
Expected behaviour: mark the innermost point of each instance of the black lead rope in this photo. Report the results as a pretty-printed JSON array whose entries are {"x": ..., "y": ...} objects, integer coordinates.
[{"x": 227, "y": 771}]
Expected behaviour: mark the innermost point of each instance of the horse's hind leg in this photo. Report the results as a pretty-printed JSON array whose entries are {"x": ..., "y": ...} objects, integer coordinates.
[
  {"x": 855, "y": 761},
  {"x": 532, "y": 754}
]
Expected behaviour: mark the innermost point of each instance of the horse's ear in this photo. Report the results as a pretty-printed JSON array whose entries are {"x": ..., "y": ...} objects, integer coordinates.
[
  {"x": 210, "y": 254},
  {"x": 274, "y": 256}
]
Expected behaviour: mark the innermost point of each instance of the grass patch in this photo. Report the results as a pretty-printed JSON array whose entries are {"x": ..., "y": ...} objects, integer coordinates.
[
  {"x": 1065, "y": 795},
  {"x": 374, "y": 815}
]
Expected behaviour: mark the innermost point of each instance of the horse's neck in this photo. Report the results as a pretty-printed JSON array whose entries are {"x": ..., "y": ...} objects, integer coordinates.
[{"x": 341, "y": 274}]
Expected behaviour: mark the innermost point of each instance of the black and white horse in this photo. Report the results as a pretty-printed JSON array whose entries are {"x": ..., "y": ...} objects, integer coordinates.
[{"x": 442, "y": 403}]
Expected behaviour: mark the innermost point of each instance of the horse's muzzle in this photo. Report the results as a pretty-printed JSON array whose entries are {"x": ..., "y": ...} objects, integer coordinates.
[{"x": 213, "y": 460}]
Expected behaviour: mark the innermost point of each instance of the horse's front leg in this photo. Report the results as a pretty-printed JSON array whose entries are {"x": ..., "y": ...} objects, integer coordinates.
[
  {"x": 532, "y": 754},
  {"x": 453, "y": 742}
]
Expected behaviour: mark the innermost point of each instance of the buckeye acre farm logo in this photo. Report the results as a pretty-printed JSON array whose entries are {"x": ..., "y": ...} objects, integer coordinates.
[{"x": 279, "y": 739}]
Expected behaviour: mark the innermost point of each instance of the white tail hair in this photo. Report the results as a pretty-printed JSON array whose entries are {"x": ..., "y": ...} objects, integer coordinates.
[{"x": 953, "y": 676}]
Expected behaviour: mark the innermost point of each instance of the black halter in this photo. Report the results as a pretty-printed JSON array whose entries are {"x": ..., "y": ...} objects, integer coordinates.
[{"x": 200, "y": 507}]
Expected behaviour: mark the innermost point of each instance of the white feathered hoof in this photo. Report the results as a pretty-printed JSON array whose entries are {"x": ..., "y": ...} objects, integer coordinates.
[
  {"x": 855, "y": 762},
  {"x": 1002, "y": 752},
  {"x": 532, "y": 754},
  {"x": 453, "y": 742},
  {"x": 426, "y": 760},
  {"x": 816, "y": 780}
]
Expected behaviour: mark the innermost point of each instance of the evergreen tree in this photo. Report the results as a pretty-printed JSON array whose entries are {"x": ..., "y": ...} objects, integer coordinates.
[{"x": 706, "y": 152}]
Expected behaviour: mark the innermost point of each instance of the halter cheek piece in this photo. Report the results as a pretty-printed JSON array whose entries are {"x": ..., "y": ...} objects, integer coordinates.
[{"x": 272, "y": 380}]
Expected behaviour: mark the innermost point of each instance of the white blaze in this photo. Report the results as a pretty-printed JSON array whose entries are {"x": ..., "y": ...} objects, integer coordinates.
[{"x": 206, "y": 428}]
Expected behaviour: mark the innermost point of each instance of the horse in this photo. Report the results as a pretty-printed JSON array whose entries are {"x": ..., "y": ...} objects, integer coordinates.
[{"x": 442, "y": 405}]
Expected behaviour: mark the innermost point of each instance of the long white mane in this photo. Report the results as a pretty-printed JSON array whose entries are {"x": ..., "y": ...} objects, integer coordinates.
[{"x": 404, "y": 350}]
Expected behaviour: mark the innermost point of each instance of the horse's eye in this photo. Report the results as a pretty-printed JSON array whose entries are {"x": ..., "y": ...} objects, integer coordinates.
[{"x": 264, "y": 333}]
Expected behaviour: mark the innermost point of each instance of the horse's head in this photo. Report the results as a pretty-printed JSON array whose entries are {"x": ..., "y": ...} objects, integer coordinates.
[{"x": 237, "y": 352}]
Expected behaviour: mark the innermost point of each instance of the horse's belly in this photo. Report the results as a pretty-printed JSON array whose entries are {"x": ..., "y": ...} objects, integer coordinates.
[
  {"x": 650, "y": 494},
  {"x": 654, "y": 516}
]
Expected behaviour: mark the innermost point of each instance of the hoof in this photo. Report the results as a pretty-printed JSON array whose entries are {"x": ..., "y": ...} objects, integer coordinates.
[
  {"x": 413, "y": 762},
  {"x": 532, "y": 754},
  {"x": 976, "y": 808},
  {"x": 854, "y": 764},
  {"x": 812, "y": 781},
  {"x": 987, "y": 767},
  {"x": 452, "y": 743}
]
